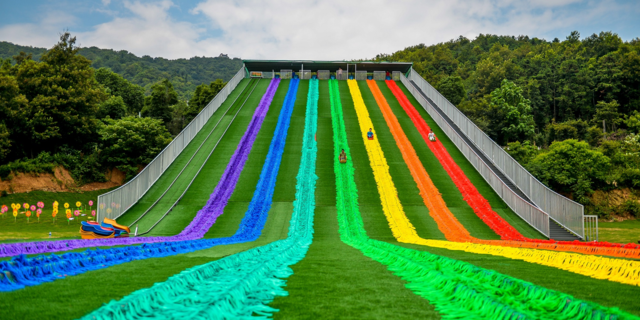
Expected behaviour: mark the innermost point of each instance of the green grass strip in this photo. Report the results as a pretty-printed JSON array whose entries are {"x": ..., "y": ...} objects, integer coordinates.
[{"x": 458, "y": 289}]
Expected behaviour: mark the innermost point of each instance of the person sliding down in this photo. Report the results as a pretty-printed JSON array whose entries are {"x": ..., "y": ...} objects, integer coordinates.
[
  {"x": 343, "y": 156},
  {"x": 432, "y": 136},
  {"x": 370, "y": 134}
]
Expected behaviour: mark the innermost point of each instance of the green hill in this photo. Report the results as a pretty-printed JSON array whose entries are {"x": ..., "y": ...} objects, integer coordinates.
[{"x": 184, "y": 74}]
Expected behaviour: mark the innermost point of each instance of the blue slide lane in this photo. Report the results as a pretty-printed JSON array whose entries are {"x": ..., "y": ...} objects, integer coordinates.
[
  {"x": 22, "y": 271},
  {"x": 240, "y": 285}
]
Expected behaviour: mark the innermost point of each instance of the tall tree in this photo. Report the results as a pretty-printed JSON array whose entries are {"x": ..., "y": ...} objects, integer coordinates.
[
  {"x": 62, "y": 99},
  {"x": 517, "y": 122},
  {"x": 158, "y": 104}
]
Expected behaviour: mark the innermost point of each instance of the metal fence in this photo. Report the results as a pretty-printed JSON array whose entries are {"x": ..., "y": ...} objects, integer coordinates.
[
  {"x": 395, "y": 75},
  {"x": 563, "y": 210},
  {"x": 324, "y": 74},
  {"x": 590, "y": 228},
  {"x": 342, "y": 75},
  {"x": 379, "y": 75},
  {"x": 268, "y": 74},
  {"x": 116, "y": 202},
  {"x": 361, "y": 75},
  {"x": 305, "y": 74},
  {"x": 532, "y": 215},
  {"x": 285, "y": 74}
]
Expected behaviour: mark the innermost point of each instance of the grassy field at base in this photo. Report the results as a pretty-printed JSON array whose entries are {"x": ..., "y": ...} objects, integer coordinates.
[
  {"x": 619, "y": 231},
  {"x": 13, "y": 230},
  {"x": 76, "y": 296},
  {"x": 334, "y": 280}
]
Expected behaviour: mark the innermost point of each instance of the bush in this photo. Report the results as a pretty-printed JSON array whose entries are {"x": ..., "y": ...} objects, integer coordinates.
[{"x": 631, "y": 207}]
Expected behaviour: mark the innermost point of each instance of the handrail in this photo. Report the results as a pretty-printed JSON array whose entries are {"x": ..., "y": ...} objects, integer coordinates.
[
  {"x": 116, "y": 202},
  {"x": 566, "y": 212},
  {"x": 535, "y": 217}
]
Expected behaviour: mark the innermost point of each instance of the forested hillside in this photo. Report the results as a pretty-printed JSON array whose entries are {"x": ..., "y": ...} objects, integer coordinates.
[
  {"x": 184, "y": 74},
  {"x": 57, "y": 109},
  {"x": 566, "y": 110}
]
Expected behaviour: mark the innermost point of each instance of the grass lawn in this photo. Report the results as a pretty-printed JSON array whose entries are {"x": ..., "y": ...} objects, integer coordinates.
[
  {"x": 12, "y": 230},
  {"x": 621, "y": 232}
]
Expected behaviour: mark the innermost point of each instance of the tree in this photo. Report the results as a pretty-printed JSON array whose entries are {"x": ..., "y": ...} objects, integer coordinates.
[
  {"x": 114, "y": 107},
  {"x": 5, "y": 142},
  {"x": 571, "y": 166},
  {"x": 129, "y": 142},
  {"x": 517, "y": 120},
  {"x": 452, "y": 88},
  {"x": 522, "y": 152},
  {"x": 607, "y": 112},
  {"x": 61, "y": 99},
  {"x": 132, "y": 95},
  {"x": 158, "y": 104},
  {"x": 201, "y": 97},
  {"x": 633, "y": 122}
]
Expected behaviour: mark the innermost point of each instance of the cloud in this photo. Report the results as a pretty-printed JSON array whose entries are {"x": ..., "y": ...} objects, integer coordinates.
[
  {"x": 149, "y": 30},
  {"x": 43, "y": 34},
  {"x": 346, "y": 29},
  {"x": 328, "y": 29}
]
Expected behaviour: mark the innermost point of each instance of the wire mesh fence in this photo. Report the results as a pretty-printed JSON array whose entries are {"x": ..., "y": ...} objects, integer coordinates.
[{"x": 116, "y": 202}]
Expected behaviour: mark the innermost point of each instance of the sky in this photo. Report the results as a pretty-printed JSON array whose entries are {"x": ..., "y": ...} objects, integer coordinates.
[{"x": 309, "y": 30}]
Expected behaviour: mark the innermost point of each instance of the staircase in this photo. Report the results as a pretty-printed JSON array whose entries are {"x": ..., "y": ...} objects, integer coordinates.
[
  {"x": 556, "y": 231},
  {"x": 559, "y": 233}
]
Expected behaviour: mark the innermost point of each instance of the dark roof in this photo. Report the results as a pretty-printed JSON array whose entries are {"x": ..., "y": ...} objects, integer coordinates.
[{"x": 277, "y": 65}]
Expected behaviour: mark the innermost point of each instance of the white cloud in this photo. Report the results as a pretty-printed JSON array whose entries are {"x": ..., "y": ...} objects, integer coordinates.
[
  {"x": 43, "y": 34},
  {"x": 287, "y": 29},
  {"x": 106, "y": 2}
]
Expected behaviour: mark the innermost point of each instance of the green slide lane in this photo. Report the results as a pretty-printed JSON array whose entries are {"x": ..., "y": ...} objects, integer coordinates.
[
  {"x": 335, "y": 280},
  {"x": 239, "y": 124},
  {"x": 603, "y": 292}
]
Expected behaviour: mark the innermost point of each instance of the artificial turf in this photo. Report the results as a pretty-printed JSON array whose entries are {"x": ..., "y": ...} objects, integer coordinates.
[
  {"x": 335, "y": 280},
  {"x": 220, "y": 157},
  {"x": 68, "y": 298}
]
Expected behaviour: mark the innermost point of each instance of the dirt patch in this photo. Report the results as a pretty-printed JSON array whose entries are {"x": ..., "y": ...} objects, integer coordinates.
[
  {"x": 612, "y": 198},
  {"x": 59, "y": 181},
  {"x": 115, "y": 177}
]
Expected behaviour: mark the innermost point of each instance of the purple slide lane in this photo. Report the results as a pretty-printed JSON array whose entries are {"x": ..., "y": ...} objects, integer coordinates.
[{"x": 203, "y": 220}]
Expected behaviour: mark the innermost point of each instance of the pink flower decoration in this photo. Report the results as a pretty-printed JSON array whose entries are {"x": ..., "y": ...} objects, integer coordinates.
[
  {"x": 93, "y": 213},
  {"x": 25, "y": 205},
  {"x": 40, "y": 204},
  {"x": 90, "y": 203},
  {"x": 38, "y": 212},
  {"x": 76, "y": 213},
  {"x": 33, "y": 208}
]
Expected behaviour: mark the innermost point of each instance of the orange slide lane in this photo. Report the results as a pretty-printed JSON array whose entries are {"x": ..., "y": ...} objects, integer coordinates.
[{"x": 470, "y": 193}]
